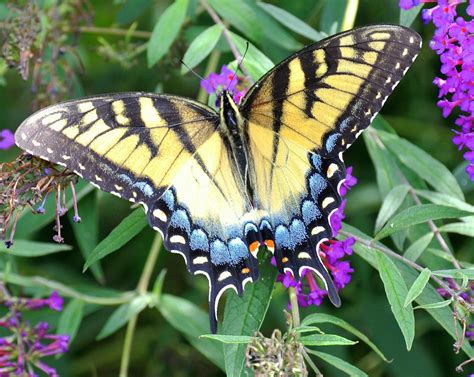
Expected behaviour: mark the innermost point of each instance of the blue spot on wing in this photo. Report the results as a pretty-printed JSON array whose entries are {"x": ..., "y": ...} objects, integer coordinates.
[
  {"x": 317, "y": 184},
  {"x": 297, "y": 232},
  {"x": 145, "y": 188},
  {"x": 168, "y": 198},
  {"x": 198, "y": 240},
  {"x": 180, "y": 220},
  {"x": 310, "y": 212},
  {"x": 238, "y": 250},
  {"x": 331, "y": 142},
  {"x": 282, "y": 237},
  {"x": 219, "y": 253},
  {"x": 317, "y": 161}
]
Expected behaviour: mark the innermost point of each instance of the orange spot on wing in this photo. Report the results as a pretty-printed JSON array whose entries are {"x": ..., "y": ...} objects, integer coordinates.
[
  {"x": 245, "y": 270},
  {"x": 254, "y": 246},
  {"x": 284, "y": 259},
  {"x": 270, "y": 244}
]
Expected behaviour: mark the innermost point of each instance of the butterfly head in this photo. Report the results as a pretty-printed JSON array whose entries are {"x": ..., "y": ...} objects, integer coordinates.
[{"x": 229, "y": 111}]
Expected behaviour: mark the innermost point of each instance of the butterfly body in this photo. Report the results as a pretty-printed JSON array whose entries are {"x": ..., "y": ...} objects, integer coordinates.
[{"x": 220, "y": 186}]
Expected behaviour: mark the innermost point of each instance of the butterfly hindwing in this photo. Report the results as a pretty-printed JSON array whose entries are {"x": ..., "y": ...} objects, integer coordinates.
[{"x": 302, "y": 115}]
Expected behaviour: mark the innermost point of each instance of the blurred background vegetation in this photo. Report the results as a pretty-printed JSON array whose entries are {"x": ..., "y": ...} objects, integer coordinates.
[{"x": 101, "y": 63}]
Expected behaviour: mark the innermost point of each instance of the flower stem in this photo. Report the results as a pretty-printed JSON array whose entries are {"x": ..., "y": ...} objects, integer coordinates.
[
  {"x": 227, "y": 37},
  {"x": 142, "y": 288},
  {"x": 295, "y": 310},
  {"x": 115, "y": 31},
  {"x": 349, "y": 15}
]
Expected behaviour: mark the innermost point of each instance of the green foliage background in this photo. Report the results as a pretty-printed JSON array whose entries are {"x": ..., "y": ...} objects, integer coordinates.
[{"x": 159, "y": 349}]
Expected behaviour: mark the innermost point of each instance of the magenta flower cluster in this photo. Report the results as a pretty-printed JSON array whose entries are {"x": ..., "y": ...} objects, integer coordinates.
[
  {"x": 24, "y": 346},
  {"x": 453, "y": 41},
  {"x": 228, "y": 80},
  {"x": 7, "y": 139},
  {"x": 332, "y": 253}
]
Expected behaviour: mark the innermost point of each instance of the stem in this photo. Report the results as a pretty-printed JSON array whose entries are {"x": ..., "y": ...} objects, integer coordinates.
[
  {"x": 115, "y": 31},
  {"x": 349, "y": 15},
  {"x": 227, "y": 36},
  {"x": 211, "y": 67},
  {"x": 142, "y": 288},
  {"x": 295, "y": 310},
  {"x": 409, "y": 262},
  {"x": 312, "y": 364},
  {"x": 64, "y": 290}
]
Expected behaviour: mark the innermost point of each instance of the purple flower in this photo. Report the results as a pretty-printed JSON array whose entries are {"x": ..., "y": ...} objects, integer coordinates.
[
  {"x": 348, "y": 182},
  {"x": 21, "y": 350},
  {"x": 226, "y": 80},
  {"x": 407, "y": 4},
  {"x": 453, "y": 41},
  {"x": 7, "y": 140}
]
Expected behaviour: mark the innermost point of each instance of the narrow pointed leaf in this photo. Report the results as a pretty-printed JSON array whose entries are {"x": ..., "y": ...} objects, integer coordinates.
[
  {"x": 390, "y": 205},
  {"x": 71, "y": 318},
  {"x": 445, "y": 199},
  {"x": 25, "y": 248},
  {"x": 338, "y": 363},
  {"x": 328, "y": 318},
  {"x": 465, "y": 228},
  {"x": 417, "y": 215},
  {"x": 228, "y": 339},
  {"x": 191, "y": 321},
  {"x": 423, "y": 164},
  {"x": 417, "y": 248},
  {"x": 201, "y": 47},
  {"x": 166, "y": 30},
  {"x": 456, "y": 274},
  {"x": 408, "y": 16},
  {"x": 244, "y": 316},
  {"x": 396, "y": 291},
  {"x": 124, "y": 232},
  {"x": 122, "y": 315},
  {"x": 417, "y": 287},
  {"x": 435, "y": 305},
  {"x": 326, "y": 340},
  {"x": 291, "y": 22}
]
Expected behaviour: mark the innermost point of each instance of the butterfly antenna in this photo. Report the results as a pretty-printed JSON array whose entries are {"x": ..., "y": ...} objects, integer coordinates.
[
  {"x": 193, "y": 71},
  {"x": 239, "y": 65}
]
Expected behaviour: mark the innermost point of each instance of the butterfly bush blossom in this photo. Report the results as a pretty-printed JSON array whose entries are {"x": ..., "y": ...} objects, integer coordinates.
[
  {"x": 332, "y": 253},
  {"x": 22, "y": 345},
  {"x": 225, "y": 80},
  {"x": 453, "y": 41},
  {"x": 7, "y": 139}
]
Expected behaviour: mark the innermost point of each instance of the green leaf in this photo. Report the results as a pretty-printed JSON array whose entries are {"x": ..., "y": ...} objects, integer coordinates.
[
  {"x": 87, "y": 232},
  {"x": 429, "y": 295},
  {"x": 417, "y": 287},
  {"x": 444, "y": 199},
  {"x": 390, "y": 205},
  {"x": 131, "y": 10},
  {"x": 435, "y": 305},
  {"x": 254, "y": 57},
  {"x": 408, "y": 16},
  {"x": 326, "y": 340},
  {"x": 124, "y": 232},
  {"x": 465, "y": 228},
  {"x": 244, "y": 316},
  {"x": 158, "y": 286},
  {"x": 328, "y": 318},
  {"x": 291, "y": 22},
  {"x": 338, "y": 363},
  {"x": 201, "y": 46},
  {"x": 122, "y": 315},
  {"x": 423, "y": 164},
  {"x": 25, "y": 248},
  {"x": 332, "y": 16},
  {"x": 417, "y": 215},
  {"x": 166, "y": 30},
  {"x": 456, "y": 274},
  {"x": 71, "y": 318},
  {"x": 417, "y": 248},
  {"x": 191, "y": 321},
  {"x": 396, "y": 291},
  {"x": 229, "y": 339}
]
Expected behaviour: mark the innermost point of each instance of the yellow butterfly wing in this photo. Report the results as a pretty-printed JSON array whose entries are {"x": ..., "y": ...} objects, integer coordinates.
[
  {"x": 165, "y": 153},
  {"x": 301, "y": 116}
]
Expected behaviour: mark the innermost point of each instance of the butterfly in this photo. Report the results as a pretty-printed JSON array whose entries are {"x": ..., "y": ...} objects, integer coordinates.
[{"x": 262, "y": 175}]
